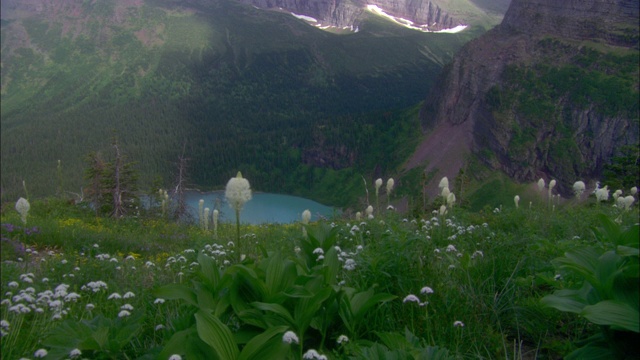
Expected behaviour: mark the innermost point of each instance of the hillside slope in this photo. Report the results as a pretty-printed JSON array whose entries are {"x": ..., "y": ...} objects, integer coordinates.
[
  {"x": 552, "y": 92},
  {"x": 298, "y": 110}
]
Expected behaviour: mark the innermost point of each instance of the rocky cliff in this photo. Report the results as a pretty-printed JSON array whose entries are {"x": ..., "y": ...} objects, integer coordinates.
[
  {"x": 551, "y": 92},
  {"x": 348, "y": 13}
]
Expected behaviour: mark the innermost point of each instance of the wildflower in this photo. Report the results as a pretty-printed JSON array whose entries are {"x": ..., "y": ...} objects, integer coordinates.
[
  {"x": 74, "y": 353},
  {"x": 175, "y": 357},
  {"x": 628, "y": 201},
  {"x": 578, "y": 188},
  {"x": 443, "y": 210},
  {"x": 634, "y": 190},
  {"x": 4, "y": 324},
  {"x": 451, "y": 199},
  {"x": 451, "y": 248},
  {"x": 426, "y": 290},
  {"x": 516, "y": 200},
  {"x": 159, "y": 301},
  {"x": 238, "y": 192},
  {"x": 123, "y": 313},
  {"x": 159, "y": 327},
  {"x": 290, "y": 337},
  {"x": 541, "y": 184},
  {"x": 313, "y": 354},
  {"x": 617, "y": 194},
  {"x": 350, "y": 264},
  {"x": 411, "y": 298},
  {"x": 602, "y": 194},
  {"x": 358, "y": 216},
  {"x": 306, "y": 216},
  {"x": 444, "y": 183},
  {"x": 115, "y": 295},
  {"x": 318, "y": 251},
  {"x": 22, "y": 207},
  {"x": 40, "y": 353},
  {"x": 369, "y": 212},
  {"x": 477, "y": 253},
  {"x": 390, "y": 184},
  {"x": 378, "y": 185},
  {"x": 342, "y": 339},
  {"x": 13, "y": 284},
  {"x": 445, "y": 193},
  {"x": 72, "y": 297},
  {"x": 458, "y": 323},
  {"x": 90, "y": 307},
  {"x": 128, "y": 294}
]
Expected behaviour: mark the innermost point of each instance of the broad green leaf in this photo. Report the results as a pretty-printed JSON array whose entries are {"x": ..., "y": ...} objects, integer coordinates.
[
  {"x": 177, "y": 292},
  {"x": 592, "y": 352},
  {"x": 613, "y": 313},
  {"x": 253, "y": 349},
  {"x": 209, "y": 270},
  {"x": 563, "y": 303},
  {"x": 627, "y": 251},
  {"x": 278, "y": 309},
  {"x": 217, "y": 335},
  {"x": 393, "y": 340}
]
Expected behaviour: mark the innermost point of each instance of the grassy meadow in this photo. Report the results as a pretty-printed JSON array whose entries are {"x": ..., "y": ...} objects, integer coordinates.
[{"x": 539, "y": 281}]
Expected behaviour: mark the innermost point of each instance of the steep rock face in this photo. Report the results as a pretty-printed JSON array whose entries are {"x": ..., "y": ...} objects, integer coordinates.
[
  {"x": 346, "y": 13},
  {"x": 532, "y": 100}
]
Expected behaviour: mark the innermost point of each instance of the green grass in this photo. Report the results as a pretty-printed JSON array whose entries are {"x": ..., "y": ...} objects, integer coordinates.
[{"x": 488, "y": 269}]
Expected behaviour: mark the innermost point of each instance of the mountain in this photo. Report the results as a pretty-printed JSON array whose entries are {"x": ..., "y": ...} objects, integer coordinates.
[
  {"x": 425, "y": 14},
  {"x": 551, "y": 92},
  {"x": 297, "y": 109}
]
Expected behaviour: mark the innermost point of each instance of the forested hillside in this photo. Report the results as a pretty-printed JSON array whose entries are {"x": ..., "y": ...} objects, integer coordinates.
[{"x": 240, "y": 88}]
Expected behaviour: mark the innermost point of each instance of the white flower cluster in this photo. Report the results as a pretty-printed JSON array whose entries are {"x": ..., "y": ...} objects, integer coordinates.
[{"x": 237, "y": 192}]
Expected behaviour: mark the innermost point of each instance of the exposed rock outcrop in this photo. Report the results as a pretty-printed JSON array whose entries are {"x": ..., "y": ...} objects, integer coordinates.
[
  {"x": 530, "y": 98},
  {"x": 348, "y": 13}
]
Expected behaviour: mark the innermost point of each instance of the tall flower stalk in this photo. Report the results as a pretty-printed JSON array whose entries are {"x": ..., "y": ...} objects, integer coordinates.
[
  {"x": 378, "y": 185},
  {"x": 237, "y": 193},
  {"x": 22, "y": 207}
]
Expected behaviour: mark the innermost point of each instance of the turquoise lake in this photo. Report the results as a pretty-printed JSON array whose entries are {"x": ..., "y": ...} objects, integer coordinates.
[{"x": 262, "y": 208}]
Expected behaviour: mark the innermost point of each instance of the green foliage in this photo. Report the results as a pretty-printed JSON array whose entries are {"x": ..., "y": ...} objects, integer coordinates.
[
  {"x": 309, "y": 103},
  {"x": 606, "y": 291},
  {"x": 99, "y": 338},
  {"x": 268, "y": 298},
  {"x": 624, "y": 171}
]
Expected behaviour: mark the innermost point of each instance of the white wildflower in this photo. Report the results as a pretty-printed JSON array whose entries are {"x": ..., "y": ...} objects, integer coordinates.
[
  {"x": 123, "y": 313},
  {"x": 159, "y": 327},
  {"x": 128, "y": 295},
  {"x": 426, "y": 290},
  {"x": 237, "y": 192},
  {"x": 306, "y": 216},
  {"x": 22, "y": 207},
  {"x": 444, "y": 183},
  {"x": 458, "y": 323},
  {"x": 350, "y": 265},
  {"x": 290, "y": 337},
  {"x": 40, "y": 353},
  {"x": 159, "y": 301},
  {"x": 516, "y": 200},
  {"x": 628, "y": 201},
  {"x": 541, "y": 184},
  {"x": 602, "y": 194},
  {"x": 75, "y": 353},
  {"x": 175, "y": 357},
  {"x": 411, "y": 298},
  {"x": 390, "y": 184},
  {"x": 342, "y": 339},
  {"x": 115, "y": 295},
  {"x": 578, "y": 188}
]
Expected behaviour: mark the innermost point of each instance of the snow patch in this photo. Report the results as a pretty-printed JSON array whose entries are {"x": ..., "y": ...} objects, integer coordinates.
[
  {"x": 410, "y": 24},
  {"x": 305, "y": 18}
]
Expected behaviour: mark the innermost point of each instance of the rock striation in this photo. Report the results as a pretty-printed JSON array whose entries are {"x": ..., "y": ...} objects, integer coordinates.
[
  {"x": 528, "y": 97},
  {"x": 349, "y": 13}
]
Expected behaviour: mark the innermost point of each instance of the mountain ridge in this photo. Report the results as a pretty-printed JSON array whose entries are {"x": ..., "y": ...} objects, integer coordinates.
[{"x": 565, "y": 125}]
